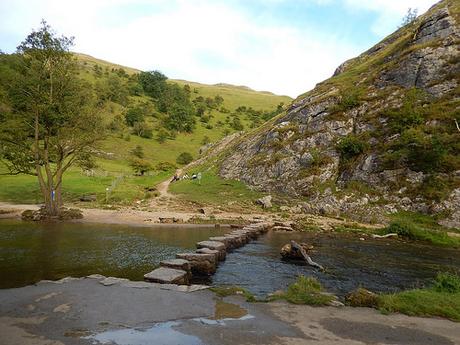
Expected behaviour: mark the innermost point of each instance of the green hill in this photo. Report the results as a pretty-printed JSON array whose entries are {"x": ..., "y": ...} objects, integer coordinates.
[{"x": 118, "y": 91}]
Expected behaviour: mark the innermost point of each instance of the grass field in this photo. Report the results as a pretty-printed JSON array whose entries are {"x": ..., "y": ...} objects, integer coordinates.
[{"x": 213, "y": 190}]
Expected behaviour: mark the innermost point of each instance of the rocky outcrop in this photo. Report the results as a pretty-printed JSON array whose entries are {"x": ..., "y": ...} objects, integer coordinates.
[{"x": 299, "y": 153}]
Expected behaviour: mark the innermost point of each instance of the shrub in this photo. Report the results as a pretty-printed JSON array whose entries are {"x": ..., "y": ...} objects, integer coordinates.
[
  {"x": 447, "y": 282},
  {"x": 143, "y": 130},
  {"x": 165, "y": 166},
  {"x": 138, "y": 151},
  {"x": 140, "y": 166},
  {"x": 362, "y": 298},
  {"x": 184, "y": 158},
  {"x": 306, "y": 290},
  {"x": 351, "y": 146},
  {"x": 347, "y": 102}
]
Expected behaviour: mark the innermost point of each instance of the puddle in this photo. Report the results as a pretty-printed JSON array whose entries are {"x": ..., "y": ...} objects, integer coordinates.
[
  {"x": 164, "y": 332},
  {"x": 226, "y": 310},
  {"x": 161, "y": 333}
]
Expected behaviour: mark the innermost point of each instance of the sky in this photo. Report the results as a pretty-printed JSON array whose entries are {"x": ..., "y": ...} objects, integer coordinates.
[{"x": 282, "y": 46}]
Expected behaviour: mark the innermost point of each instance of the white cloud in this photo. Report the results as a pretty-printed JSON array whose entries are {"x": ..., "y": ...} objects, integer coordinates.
[{"x": 202, "y": 40}]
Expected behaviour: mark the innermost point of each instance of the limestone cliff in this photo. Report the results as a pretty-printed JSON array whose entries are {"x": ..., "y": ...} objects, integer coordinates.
[{"x": 378, "y": 136}]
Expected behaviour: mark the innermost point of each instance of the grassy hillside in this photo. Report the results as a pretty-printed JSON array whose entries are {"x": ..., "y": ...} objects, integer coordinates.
[{"x": 113, "y": 157}]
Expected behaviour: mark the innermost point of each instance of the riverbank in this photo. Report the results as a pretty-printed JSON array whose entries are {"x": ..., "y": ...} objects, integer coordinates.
[
  {"x": 133, "y": 216},
  {"x": 129, "y": 216},
  {"x": 81, "y": 311}
]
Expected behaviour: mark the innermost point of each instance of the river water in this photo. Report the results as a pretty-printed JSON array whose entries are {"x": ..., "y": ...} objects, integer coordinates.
[
  {"x": 30, "y": 252},
  {"x": 383, "y": 265}
]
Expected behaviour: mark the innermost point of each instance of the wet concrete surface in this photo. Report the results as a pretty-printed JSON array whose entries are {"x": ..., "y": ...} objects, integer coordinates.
[{"x": 83, "y": 311}]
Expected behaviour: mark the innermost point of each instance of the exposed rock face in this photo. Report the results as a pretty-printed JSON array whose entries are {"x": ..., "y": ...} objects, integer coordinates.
[
  {"x": 265, "y": 202},
  {"x": 299, "y": 155}
]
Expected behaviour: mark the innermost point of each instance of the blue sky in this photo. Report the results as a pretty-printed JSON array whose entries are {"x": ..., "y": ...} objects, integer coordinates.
[{"x": 283, "y": 46}]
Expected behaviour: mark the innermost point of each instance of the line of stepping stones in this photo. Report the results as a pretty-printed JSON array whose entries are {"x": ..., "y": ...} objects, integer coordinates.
[{"x": 204, "y": 261}]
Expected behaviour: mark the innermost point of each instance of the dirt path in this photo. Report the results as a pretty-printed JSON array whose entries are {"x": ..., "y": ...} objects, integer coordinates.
[{"x": 164, "y": 186}]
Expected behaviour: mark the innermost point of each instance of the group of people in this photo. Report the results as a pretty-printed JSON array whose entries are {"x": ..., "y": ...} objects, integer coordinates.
[{"x": 186, "y": 176}]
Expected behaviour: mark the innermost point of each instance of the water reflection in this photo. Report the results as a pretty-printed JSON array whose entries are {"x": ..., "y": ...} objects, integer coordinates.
[
  {"x": 162, "y": 333},
  {"x": 30, "y": 252}
]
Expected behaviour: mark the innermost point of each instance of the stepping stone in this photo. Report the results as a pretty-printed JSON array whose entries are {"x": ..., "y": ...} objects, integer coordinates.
[
  {"x": 225, "y": 240},
  {"x": 178, "y": 264},
  {"x": 211, "y": 245},
  {"x": 216, "y": 253},
  {"x": 164, "y": 275},
  {"x": 202, "y": 264},
  {"x": 214, "y": 245},
  {"x": 236, "y": 240}
]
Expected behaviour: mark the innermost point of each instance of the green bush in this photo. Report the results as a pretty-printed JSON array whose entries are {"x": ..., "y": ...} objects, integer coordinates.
[
  {"x": 351, "y": 146},
  {"x": 349, "y": 101},
  {"x": 306, "y": 290},
  {"x": 184, "y": 158},
  {"x": 447, "y": 282}
]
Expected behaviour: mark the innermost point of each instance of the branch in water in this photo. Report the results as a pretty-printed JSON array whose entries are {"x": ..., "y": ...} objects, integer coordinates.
[{"x": 307, "y": 258}]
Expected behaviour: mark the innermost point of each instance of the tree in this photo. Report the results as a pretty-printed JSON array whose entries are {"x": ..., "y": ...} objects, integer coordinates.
[
  {"x": 184, "y": 158},
  {"x": 134, "y": 115},
  {"x": 140, "y": 166},
  {"x": 153, "y": 83},
  {"x": 52, "y": 122},
  {"x": 143, "y": 130},
  {"x": 410, "y": 17},
  {"x": 180, "y": 119}
]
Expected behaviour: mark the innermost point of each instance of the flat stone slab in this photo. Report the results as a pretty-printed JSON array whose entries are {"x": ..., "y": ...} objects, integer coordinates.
[
  {"x": 179, "y": 264},
  {"x": 211, "y": 245},
  {"x": 216, "y": 253},
  {"x": 222, "y": 239},
  {"x": 165, "y": 275}
]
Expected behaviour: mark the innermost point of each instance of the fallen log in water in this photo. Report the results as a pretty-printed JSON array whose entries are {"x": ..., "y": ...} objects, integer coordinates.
[
  {"x": 385, "y": 236},
  {"x": 307, "y": 258}
]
